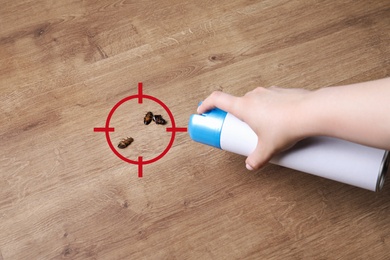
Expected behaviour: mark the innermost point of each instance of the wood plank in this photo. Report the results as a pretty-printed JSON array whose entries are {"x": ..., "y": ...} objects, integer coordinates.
[{"x": 65, "y": 64}]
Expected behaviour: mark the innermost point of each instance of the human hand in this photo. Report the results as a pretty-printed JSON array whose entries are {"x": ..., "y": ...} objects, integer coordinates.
[{"x": 272, "y": 113}]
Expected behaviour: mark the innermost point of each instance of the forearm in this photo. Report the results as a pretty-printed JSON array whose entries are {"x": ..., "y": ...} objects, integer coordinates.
[{"x": 358, "y": 113}]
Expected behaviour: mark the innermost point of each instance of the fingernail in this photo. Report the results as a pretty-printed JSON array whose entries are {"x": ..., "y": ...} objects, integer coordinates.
[{"x": 249, "y": 167}]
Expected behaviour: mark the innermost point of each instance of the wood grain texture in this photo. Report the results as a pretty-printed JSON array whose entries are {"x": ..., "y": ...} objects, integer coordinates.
[{"x": 65, "y": 64}]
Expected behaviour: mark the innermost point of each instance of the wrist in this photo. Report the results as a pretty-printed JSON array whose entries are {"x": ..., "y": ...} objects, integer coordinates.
[{"x": 309, "y": 120}]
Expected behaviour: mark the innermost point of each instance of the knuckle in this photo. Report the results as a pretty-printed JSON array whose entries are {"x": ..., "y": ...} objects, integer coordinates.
[
  {"x": 215, "y": 94},
  {"x": 261, "y": 89}
]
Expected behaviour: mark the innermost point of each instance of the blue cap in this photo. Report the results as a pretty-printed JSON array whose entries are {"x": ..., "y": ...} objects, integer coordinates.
[{"x": 206, "y": 128}]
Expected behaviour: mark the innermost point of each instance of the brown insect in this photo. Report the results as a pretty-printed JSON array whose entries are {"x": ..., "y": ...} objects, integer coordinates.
[
  {"x": 125, "y": 142},
  {"x": 148, "y": 118},
  {"x": 159, "y": 120}
]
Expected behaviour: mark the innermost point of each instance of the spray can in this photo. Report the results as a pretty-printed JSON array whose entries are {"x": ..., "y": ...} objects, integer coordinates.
[{"x": 331, "y": 158}]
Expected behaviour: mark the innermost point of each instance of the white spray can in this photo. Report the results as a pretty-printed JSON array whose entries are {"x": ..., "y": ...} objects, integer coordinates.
[{"x": 331, "y": 158}]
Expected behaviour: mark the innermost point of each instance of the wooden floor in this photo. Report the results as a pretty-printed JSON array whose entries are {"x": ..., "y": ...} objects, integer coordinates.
[{"x": 65, "y": 64}]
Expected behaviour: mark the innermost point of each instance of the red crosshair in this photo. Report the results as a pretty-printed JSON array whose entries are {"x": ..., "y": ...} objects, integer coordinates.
[{"x": 140, "y": 162}]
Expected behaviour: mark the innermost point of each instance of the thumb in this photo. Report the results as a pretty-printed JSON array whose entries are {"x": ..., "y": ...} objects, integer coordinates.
[{"x": 258, "y": 158}]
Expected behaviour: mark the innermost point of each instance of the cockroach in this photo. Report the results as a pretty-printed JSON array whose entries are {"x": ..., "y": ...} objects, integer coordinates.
[
  {"x": 125, "y": 142},
  {"x": 159, "y": 120},
  {"x": 148, "y": 118}
]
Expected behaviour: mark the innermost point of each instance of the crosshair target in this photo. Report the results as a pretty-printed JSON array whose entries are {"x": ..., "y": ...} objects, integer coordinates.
[{"x": 108, "y": 129}]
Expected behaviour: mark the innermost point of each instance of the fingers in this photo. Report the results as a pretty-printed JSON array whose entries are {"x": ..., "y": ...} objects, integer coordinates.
[
  {"x": 235, "y": 106},
  {"x": 220, "y": 100},
  {"x": 258, "y": 158}
]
